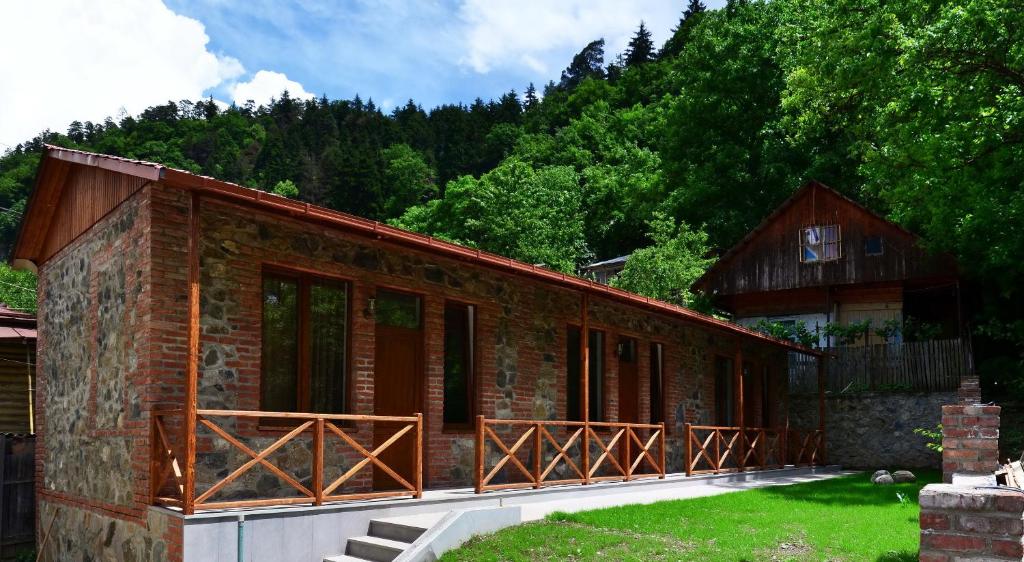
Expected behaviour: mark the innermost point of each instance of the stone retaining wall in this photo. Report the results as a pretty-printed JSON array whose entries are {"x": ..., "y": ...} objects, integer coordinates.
[{"x": 873, "y": 430}]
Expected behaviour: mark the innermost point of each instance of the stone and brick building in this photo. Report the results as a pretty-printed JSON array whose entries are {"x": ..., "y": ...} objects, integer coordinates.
[{"x": 171, "y": 305}]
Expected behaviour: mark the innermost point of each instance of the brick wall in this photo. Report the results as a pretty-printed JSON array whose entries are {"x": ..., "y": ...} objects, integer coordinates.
[
  {"x": 960, "y": 523},
  {"x": 970, "y": 439}
]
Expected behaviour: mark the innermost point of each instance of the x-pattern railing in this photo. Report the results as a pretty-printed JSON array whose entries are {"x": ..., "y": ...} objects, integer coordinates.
[
  {"x": 623, "y": 454},
  {"x": 166, "y": 461},
  {"x": 717, "y": 449}
]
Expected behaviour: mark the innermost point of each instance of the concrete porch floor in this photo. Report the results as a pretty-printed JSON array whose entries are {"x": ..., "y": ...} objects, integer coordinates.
[
  {"x": 574, "y": 497},
  {"x": 313, "y": 533}
]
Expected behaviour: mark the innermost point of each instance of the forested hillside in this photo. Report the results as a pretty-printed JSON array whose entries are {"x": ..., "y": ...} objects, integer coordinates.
[{"x": 914, "y": 108}]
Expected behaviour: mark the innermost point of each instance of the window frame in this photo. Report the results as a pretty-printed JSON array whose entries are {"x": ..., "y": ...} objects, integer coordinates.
[
  {"x": 663, "y": 402},
  {"x": 881, "y": 245},
  {"x": 472, "y": 377},
  {"x": 305, "y": 279},
  {"x": 729, "y": 417},
  {"x": 802, "y": 243},
  {"x": 601, "y": 391}
]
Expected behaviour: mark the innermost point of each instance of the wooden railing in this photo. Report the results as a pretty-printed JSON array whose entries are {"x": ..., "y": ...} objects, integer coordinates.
[
  {"x": 624, "y": 454},
  {"x": 167, "y": 461},
  {"x": 716, "y": 449},
  {"x": 934, "y": 365}
]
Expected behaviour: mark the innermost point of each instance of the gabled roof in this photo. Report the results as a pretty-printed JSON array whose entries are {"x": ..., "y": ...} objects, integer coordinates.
[
  {"x": 49, "y": 183},
  {"x": 726, "y": 258},
  {"x": 605, "y": 263}
]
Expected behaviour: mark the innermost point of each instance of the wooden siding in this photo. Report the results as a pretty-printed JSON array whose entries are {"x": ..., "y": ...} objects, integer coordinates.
[
  {"x": 16, "y": 381},
  {"x": 769, "y": 259},
  {"x": 87, "y": 196}
]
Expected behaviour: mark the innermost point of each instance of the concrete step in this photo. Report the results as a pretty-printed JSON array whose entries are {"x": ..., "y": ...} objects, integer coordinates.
[
  {"x": 344, "y": 558},
  {"x": 375, "y": 548},
  {"x": 396, "y": 531}
]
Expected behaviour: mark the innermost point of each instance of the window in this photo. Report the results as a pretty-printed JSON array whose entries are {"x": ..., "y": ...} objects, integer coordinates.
[
  {"x": 724, "y": 399},
  {"x": 304, "y": 361},
  {"x": 657, "y": 386},
  {"x": 820, "y": 243},
  {"x": 767, "y": 399},
  {"x": 459, "y": 331},
  {"x": 873, "y": 246},
  {"x": 574, "y": 371}
]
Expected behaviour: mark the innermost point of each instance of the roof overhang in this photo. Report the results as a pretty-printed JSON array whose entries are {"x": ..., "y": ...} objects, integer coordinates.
[{"x": 52, "y": 173}]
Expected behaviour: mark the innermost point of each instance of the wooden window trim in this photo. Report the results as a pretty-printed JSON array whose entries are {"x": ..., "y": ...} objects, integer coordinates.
[
  {"x": 472, "y": 390},
  {"x": 664, "y": 381},
  {"x": 801, "y": 243},
  {"x": 304, "y": 279}
]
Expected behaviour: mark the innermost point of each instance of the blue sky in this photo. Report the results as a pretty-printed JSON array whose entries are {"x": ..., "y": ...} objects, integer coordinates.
[
  {"x": 118, "y": 57},
  {"x": 433, "y": 51}
]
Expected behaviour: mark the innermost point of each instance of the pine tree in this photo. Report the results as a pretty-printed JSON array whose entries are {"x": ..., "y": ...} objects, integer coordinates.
[
  {"x": 641, "y": 47},
  {"x": 530, "y": 97},
  {"x": 676, "y": 42}
]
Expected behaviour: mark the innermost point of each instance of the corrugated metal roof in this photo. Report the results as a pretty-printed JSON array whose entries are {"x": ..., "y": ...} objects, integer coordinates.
[{"x": 369, "y": 228}]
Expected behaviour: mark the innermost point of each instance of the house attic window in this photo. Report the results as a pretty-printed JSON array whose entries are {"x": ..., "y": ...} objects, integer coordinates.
[{"x": 820, "y": 243}]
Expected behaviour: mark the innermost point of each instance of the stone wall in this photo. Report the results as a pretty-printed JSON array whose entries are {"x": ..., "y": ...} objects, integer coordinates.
[
  {"x": 92, "y": 394},
  {"x": 520, "y": 334},
  {"x": 874, "y": 430},
  {"x": 959, "y": 523}
]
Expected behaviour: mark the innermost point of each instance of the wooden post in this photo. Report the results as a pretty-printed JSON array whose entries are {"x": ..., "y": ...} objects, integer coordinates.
[
  {"x": 419, "y": 456},
  {"x": 479, "y": 454},
  {"x": 318, "y": 462},
  {"x": 661, "y": 446},
  {"x": 537, "y": 448},
  {"x": 627, "y": 472},
  {"x": 585, "y": 383},
  {"x": 821, "y": 402},
  {"x": 740, "y": 422},
  {"x": 688, "y": 431},
  {"x": 192, "y": 369}
]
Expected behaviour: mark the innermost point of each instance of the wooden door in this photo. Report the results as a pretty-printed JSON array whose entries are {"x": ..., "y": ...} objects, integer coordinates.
[
  {"x": 629, "y": 382},
  {"x": 398, "y": 378},
  {"x": 629, "y": 390}
]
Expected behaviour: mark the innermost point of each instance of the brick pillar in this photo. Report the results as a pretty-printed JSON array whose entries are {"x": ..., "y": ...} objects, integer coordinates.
[
  {"x": 970, "y": 440},
  {"x": 970, "y": 391},
  {"x": 959, "y": 523}
]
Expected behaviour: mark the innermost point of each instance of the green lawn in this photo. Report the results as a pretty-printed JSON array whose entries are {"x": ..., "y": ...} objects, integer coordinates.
[{"x": 844, "y": 518}]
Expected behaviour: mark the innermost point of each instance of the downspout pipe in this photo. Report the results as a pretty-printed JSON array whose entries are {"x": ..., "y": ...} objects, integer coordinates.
[{"x": 241, "y": 538}]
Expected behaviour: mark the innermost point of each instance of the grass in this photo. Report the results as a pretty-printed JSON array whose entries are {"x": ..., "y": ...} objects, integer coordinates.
[{"x": 841, "y": 519}]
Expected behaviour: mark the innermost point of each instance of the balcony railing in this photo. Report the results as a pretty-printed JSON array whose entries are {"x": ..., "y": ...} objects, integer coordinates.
[{"x": 167, "y": 461}]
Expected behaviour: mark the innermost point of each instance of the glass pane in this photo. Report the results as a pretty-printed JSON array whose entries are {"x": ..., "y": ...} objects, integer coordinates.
[
  {"x": 573, "y": 363},
  {"x": 723, "y": 391},
  {"x": 328, "y": 318},
  {"x": 397, "y": 309},
  {"x": 657, "y": 366},
  {"x": 596, "y": 375},
  {"x": 280, "y": 341},
  {"x": 458, "y": 362}
]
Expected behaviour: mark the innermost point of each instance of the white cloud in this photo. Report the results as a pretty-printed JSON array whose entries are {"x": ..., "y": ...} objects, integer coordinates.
[
  {"x": 536, "y": 34},
  {"x": 68, "y": 60},
  {"x": 264, "y": 85}
]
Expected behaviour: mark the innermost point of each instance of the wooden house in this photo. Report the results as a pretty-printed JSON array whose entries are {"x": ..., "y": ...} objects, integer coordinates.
[
  {"x": 822, "y": 259},
  {"x": 205, "y": 347},
  {"x": 17, "y": 371}
]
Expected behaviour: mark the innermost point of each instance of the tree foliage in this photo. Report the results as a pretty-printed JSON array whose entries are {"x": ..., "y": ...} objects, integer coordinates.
[{"x": 666, "y": 269}]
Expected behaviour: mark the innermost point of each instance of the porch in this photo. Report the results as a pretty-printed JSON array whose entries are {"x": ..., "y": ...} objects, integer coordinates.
[{"x": 315, "y": 533}]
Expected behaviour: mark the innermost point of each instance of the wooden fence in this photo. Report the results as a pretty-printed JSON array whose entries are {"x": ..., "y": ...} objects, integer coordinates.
[
  {"x": 167, "y": 462},
  {"x": 623, "y": 451},
  {"x": 716, "y": 449},
  {"x": 17, "y": 495},
  {"x": 935, "y": 365}
]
